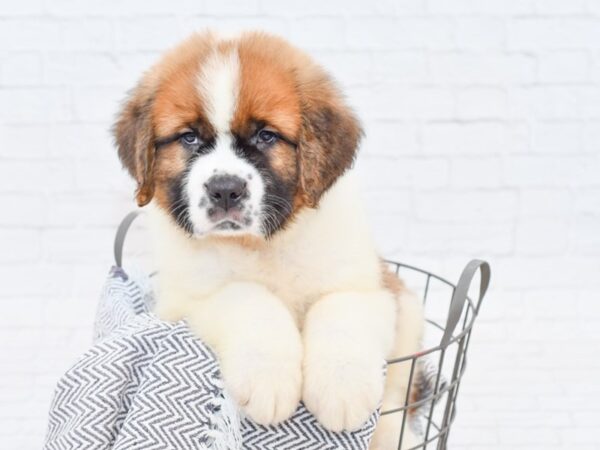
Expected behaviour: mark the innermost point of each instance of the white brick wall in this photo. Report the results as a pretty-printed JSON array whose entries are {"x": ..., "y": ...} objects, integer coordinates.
[{"x": 483, "y": 139}]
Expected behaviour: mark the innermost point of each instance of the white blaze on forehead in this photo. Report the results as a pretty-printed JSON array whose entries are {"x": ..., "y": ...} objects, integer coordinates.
[{"x": 218, "y": 85}]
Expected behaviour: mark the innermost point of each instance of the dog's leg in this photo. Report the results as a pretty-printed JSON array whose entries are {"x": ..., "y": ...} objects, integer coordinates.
[
  {"x": 259, "y": 348},
  {"x": 407, "y": 341},
  {"x": 347, "y": 338}
]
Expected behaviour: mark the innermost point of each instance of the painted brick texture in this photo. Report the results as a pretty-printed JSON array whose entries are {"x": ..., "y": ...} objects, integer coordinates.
[{"x": 483, "y": 140}]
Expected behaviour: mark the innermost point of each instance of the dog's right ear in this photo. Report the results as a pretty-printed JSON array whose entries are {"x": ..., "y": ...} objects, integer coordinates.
[{"x": 134, "y": 137}]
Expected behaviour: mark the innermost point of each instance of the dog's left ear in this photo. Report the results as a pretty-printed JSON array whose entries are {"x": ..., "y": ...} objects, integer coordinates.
[
  {"x": 134, "y": 137},
  {"x": 329, "y": 138}
]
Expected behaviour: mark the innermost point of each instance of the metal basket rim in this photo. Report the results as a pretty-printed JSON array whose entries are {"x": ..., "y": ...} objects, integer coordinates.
[{"x": 455, "y": 338}]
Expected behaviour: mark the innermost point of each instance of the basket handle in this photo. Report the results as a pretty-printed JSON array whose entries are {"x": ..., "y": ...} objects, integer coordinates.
[
  {"x": 460, "y": 295},
  {"x": 121, "y": 234}
]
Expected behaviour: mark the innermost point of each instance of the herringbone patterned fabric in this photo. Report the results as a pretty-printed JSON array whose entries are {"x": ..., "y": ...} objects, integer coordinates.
[{"x": 148, "y": 384}]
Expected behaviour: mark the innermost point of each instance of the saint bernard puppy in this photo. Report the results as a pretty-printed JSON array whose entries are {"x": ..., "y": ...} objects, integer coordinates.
[{"x": 240, "y": 149}]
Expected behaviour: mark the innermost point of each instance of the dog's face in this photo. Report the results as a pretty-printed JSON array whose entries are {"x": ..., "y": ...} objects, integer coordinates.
[{"x": 233, "y": 137}]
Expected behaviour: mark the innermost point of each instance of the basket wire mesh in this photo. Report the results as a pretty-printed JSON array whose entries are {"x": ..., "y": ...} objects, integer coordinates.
[{"x": 447, "y": 357}]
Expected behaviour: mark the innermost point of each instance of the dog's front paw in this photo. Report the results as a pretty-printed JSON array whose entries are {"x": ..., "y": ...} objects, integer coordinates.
[
  {"x": 267, "y": 386},
  {"x": 342, "y": 393}
]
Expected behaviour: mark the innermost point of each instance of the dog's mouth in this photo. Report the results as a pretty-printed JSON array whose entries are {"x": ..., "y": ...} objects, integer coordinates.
[
  {"x": 220, "y": 215},
  {"x": 228, "y": 225},
  {"x": 233, "y": 221}
]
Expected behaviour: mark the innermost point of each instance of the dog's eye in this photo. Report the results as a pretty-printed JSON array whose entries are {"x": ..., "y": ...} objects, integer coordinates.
[
  {"x": 267, "y": 137},
  {"x": 189, "y": 139}
]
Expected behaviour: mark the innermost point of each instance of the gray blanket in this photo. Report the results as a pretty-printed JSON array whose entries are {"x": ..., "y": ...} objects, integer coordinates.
[{"x": 149, "y": 384}]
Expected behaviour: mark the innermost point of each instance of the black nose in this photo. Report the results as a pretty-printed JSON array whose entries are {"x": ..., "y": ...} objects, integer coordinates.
[{"x": 225, "y": 191}]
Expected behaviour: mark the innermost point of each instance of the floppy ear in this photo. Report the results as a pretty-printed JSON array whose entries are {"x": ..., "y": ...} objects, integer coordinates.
[
  {"x": 328, "y": 141},
  {"x": 134, "y": 137}
]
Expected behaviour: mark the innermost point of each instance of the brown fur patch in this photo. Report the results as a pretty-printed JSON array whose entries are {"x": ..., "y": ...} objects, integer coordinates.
[
  {"x": 390, "y": 280},
  {"x": 160, "y": 104},
  {"x": 280, "y": 78},
  {"x": 327, "y": 147},
  {"x": 283, "y": 162},
  {"x": 135, "y": 141},
  {"x": 267, "y": 86},
  {"x": 169, "y": 164},
  {"x": 177, "y": 100}
]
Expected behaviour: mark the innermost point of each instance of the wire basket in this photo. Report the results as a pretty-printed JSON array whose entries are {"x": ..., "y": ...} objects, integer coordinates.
[
  {"x": 444, "y": 351},
  {"x": 448, "y": 333}
]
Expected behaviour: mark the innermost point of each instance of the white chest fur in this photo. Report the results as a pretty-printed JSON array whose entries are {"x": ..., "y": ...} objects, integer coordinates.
[{"x": 324, "y": 250}]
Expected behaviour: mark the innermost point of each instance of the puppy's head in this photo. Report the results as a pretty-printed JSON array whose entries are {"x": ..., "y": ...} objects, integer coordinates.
[{"x": 233, "y": 137}]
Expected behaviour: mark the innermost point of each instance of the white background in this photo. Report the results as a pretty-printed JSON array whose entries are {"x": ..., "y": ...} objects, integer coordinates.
[{"x": 483, "y": 140}]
